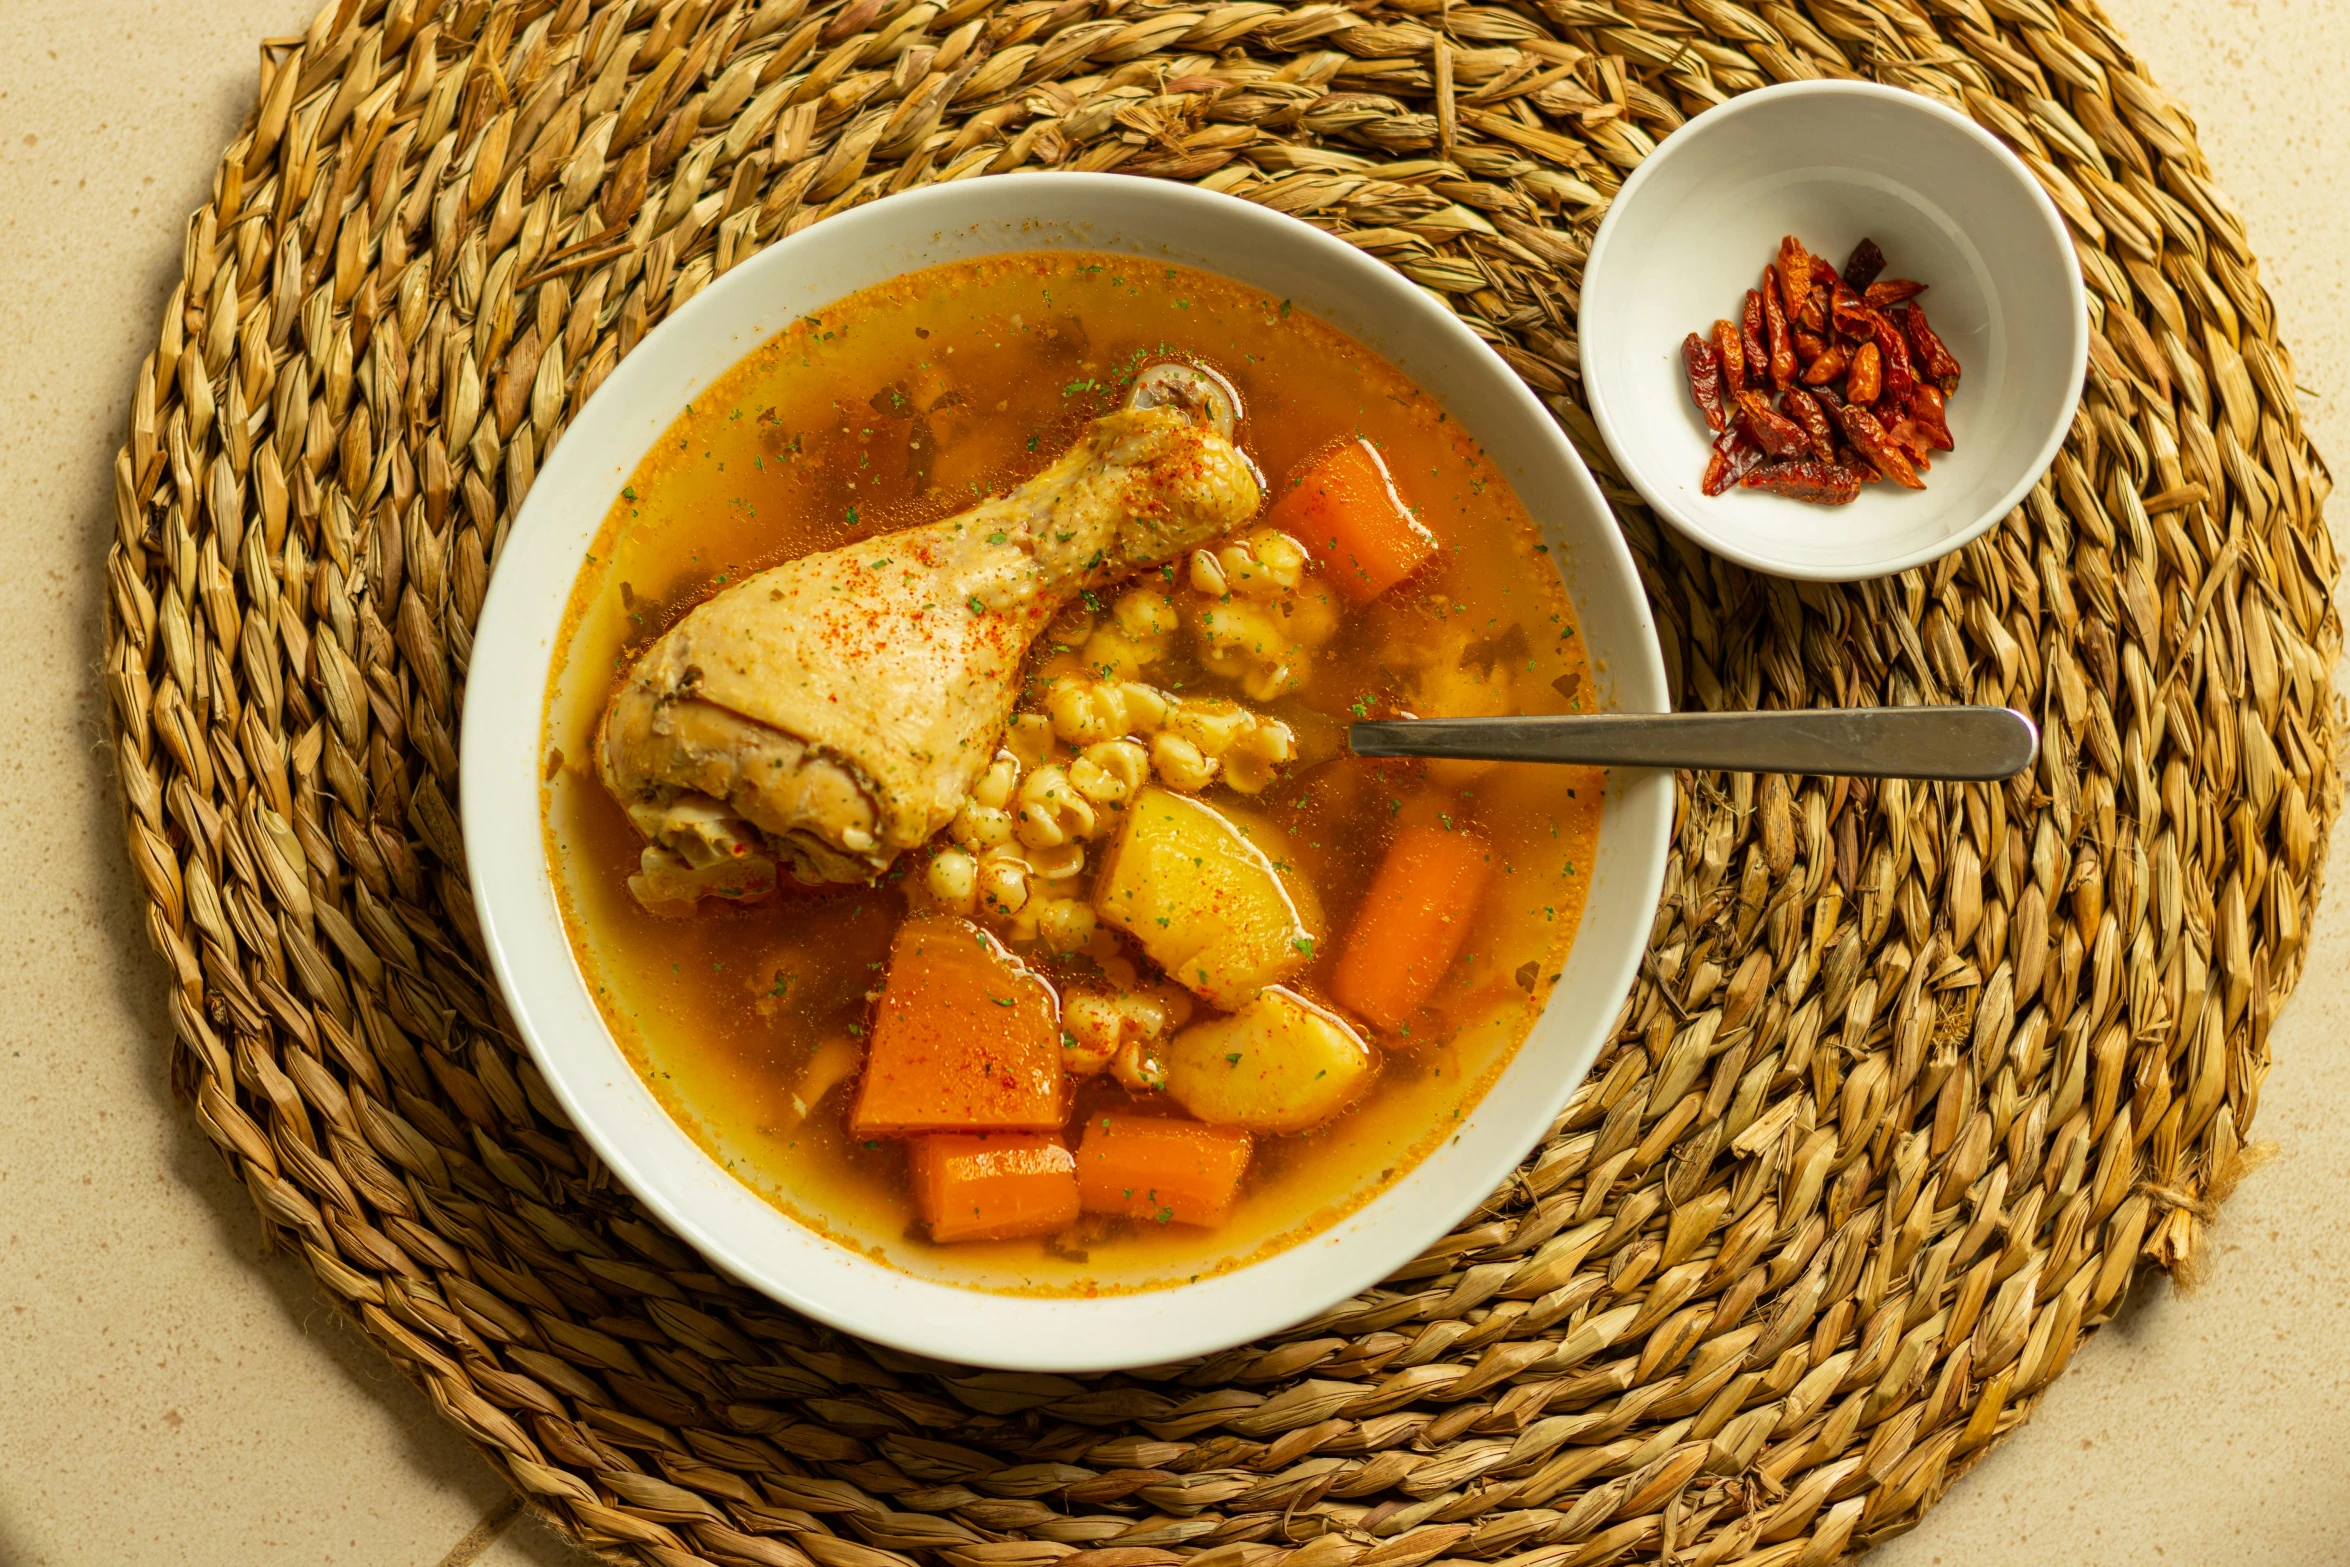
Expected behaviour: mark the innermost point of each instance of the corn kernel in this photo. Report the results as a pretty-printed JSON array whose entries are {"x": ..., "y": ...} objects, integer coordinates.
[
  {"x": 1065, "y": 924},
  {"x": 1248, "y": 773},
  {"x": 1085, "y": 711},
  {"x": 1089, "y": 780},
  {"x": 994, "y": 789},
  {"x": 1146, "y": 707},
  {"x": 1109, "y": 772},
  {"x": 1271, "y": 739},
  {"x": 1030, "y": 739},
  {"x": 1207, "y": 574},
  {"x": 1003, "y": 885},
  {"x": 1063, "y": 862},
  {"x": 1268, "y": 681},
  {"x": 1051, "y": 812},
  {"x": 1282, "y": 557},
  {"x": 978, "y": 827},
  {"x": 1091, "y": 1029},
  {"x": 1137, "y": 1066},
  {"x": 1180, "y": 764},
  {"x": 1145, "y": 614},
  {"x": 1212, "y": 726},
  {"x": 1144, "y": 1013},
  {"x": 1250, "y": 642},
  {"x": 1113, "y": 655},
  {"x": 953, "y": 877}
]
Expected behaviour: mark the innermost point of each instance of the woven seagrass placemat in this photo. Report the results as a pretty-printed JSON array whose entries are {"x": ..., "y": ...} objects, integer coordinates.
[{"x": 1914, "y": 1079}]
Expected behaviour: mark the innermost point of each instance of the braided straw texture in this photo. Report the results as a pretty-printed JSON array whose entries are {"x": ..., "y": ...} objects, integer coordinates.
[{"x": 1915, "y": 1076}]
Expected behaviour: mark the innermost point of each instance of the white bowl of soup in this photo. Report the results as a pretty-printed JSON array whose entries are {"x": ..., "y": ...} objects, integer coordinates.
[{"x": 906, "y": 790}]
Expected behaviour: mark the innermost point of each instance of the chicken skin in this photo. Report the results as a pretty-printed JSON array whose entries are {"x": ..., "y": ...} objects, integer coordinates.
[{"x": 821, "y": 717}]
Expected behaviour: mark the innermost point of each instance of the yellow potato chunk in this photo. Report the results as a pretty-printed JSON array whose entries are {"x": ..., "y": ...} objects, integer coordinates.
[
  {"x": 1204, "y": 903},
  {"x": 1279, "y": 1064},
  {"x": 1278, "y": 847}
]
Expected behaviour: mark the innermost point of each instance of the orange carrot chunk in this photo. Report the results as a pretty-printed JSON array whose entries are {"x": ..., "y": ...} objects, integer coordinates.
[
  {"x": 1412, "y": 923},
  {"x": 994, "y": 1186},
  {"x": 1165, "y": 1171},
  {"x": 965, "y": 1039},
  {"x": 1344, "y": 506}
]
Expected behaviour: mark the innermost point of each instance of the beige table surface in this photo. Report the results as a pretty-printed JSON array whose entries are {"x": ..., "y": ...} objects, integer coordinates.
[{"x": 169, "y": 1395}]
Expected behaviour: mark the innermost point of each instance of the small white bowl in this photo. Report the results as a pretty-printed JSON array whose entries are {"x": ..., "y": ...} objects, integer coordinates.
[
  {"x": 504, "y": 741},
  {"x": 1832, "y": 163}
]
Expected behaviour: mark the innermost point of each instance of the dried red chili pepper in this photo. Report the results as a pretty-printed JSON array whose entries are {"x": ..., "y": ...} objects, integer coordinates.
[
  {"x": 1750, "y": 337},
  {"x": 1705, "y": 381},
  {"x": 1798, "y": 288},
  {"x": 1732, "y": 354},
  {"x": 1800, "y": 406},
  {"x": 1934, "y": 358},
  {"x": 1825, "y": 280},
  {"x": 1871, "y": 440},
  {"x": 1849, "y": 313},
  {"x": 1865, "y": 267},
  {"x": 1717, "y": 473},
  {"x": 1867, "y": 377},
  {"x": 1863, "y": 382},
  {"x": 1834, "y": 360},
  {"x": 1906, "y": 434},
  {"x": 1822, "y": 484},
  {"x": 1899, "y": 377},
  {"x": 1732, "y": 459},
  {"x": 1931, "y": 411},
  {"x": 1775, "y": 323},
  {"x": 1770, "y": 429}
]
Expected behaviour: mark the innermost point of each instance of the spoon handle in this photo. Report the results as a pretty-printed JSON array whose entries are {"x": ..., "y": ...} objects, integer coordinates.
[{"x": 1971, "y": 744}]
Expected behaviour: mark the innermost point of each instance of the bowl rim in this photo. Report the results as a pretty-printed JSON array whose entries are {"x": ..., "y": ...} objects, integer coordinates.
[
  {"x": 513, "y": 659},
  {"x": 1731, "y": 545}
]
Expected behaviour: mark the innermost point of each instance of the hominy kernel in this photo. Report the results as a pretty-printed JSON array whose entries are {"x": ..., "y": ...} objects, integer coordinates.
[
  {"x": 953, "y": 877},
  {"x": 1110, "y": 772},
  {"x": 1030, "y": 739},
  {"x": 981, "y": 827},
  {"x": 1003, "y": 884},
  {"x": 1180, "y": 764},
  {"x": 1065, "y": 924},
  {"x": 994, "y": 789},
  {"x": 1212, "y": 726},
  {"x": 1051, "y": 812},
  {"x": 1137, "y": 1066}
]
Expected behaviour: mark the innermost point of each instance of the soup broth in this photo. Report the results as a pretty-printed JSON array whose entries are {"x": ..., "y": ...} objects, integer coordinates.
[{"x": 912, "y": 401}]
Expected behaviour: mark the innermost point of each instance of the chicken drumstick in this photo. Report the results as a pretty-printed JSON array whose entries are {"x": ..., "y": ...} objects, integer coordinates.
[{"x": 831, "y": 712}]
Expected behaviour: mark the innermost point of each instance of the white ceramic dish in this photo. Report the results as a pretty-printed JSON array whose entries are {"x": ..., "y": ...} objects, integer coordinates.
[
  {"x": 503, "y": 729},
  {"x": 1833, "y": 163}
]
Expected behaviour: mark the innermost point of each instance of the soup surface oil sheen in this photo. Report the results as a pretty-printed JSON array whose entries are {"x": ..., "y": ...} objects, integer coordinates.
[{"x": 911, "y": 401}]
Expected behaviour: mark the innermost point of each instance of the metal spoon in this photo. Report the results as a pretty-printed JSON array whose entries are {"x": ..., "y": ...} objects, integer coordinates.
[{"x": 1968, "y": 744}]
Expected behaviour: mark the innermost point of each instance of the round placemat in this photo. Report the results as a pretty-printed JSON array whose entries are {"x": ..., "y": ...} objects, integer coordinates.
[{"x": 1915, "y": 1077}]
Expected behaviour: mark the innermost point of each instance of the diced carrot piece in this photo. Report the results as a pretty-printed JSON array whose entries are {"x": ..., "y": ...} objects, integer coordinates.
[
  {"x": 1344, "y": 506},
  {"x": 1412, "y": 923},
  {"x": 965, "y": 1039},
  {"x": 1167, "y": 1171},
  {"x": 993, "y": 1186}
]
